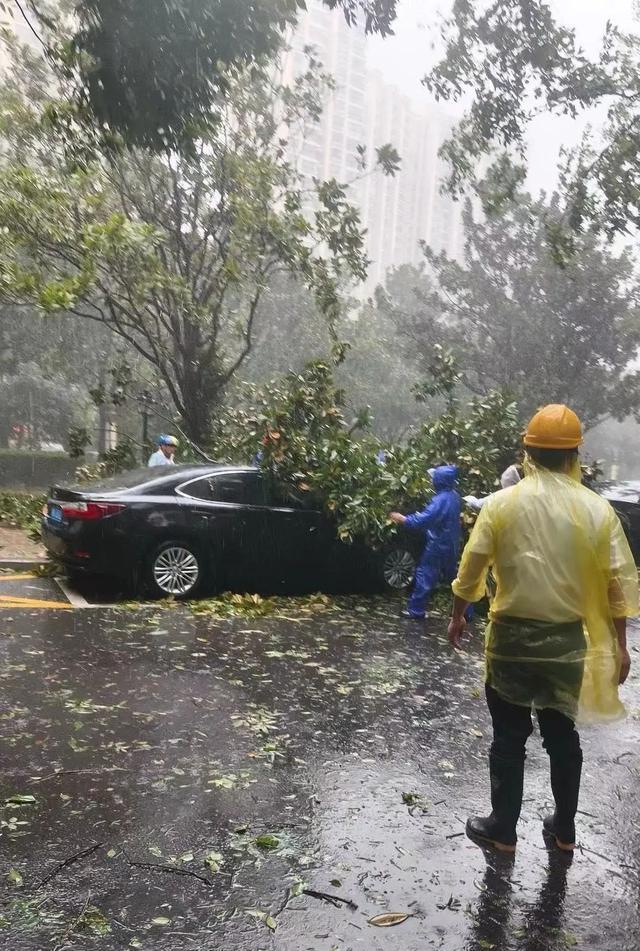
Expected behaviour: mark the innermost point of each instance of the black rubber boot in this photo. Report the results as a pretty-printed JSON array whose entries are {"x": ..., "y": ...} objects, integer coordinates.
[
  {"x": 565, "y": 785},
  {"x": 499, "y": 829},
  {"x": 486, "y": 830}
]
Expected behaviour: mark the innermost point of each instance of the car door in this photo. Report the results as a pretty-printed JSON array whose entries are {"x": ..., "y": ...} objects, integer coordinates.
[
  {"x": 300, "y": 537},
  {"x": 215, "y": 527},
  {"x": 255, "y": 551}
]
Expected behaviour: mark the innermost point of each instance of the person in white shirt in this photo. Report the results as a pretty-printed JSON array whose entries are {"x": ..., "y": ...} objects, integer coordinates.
[
  {"x": 510, "y": 476},
  {"x": 164, "y": 454}
]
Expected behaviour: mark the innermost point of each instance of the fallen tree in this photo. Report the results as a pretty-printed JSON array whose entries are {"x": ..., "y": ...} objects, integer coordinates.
[{"x": 299, "y": 431}]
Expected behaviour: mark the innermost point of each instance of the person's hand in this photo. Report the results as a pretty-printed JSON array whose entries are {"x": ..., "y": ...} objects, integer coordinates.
[
  {"x": 397, "y": 518},
  {"x": 625, "y": 665},
  {"x": 457, "y": 627}
]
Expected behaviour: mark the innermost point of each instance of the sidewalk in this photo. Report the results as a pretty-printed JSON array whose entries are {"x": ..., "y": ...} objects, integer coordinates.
[{"x": 15, "y": 544}]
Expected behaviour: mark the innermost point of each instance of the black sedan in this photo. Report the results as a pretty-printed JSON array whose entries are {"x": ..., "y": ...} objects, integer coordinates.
[
  {"x": 625, "y": 499},
  {"x": 179, "y": 530}
]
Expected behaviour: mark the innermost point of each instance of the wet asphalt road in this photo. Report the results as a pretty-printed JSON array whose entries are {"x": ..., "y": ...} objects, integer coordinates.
[{"x": 166, "y": 738}]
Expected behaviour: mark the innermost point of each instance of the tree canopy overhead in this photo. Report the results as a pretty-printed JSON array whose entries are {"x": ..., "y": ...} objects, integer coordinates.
[
  {"x": 516, "y": 61},
  {"x": 518, "y": 323},
  {"x": 153, "y": 72},
  {"x": 174, "y": 252}
]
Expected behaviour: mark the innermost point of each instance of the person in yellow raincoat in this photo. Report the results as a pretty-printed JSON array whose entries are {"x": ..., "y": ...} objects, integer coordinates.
[{"x": 556, "y": 640}]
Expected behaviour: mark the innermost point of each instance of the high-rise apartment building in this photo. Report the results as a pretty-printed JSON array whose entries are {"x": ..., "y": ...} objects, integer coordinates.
[
  {"x": 403, "y": 210},
  {"x": 363, "y": 109},
  {"x": 330, "y": 147}
]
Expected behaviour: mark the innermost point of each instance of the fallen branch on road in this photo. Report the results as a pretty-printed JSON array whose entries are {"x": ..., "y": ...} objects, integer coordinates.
[
  {"x": 169, "y": 870},
  {"x": 76, "y": 772},
  {"x": 617, "y": 759},
  {"x": 85, "y": 853},
  {"x": 332, "y": 899}
]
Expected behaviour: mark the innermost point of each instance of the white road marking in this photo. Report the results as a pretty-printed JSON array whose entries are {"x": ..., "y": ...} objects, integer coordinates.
[{"x": 72, "y": 596}]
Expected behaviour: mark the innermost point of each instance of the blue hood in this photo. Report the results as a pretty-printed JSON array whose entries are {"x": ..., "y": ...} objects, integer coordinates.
[{"x": 445, "y": 478}]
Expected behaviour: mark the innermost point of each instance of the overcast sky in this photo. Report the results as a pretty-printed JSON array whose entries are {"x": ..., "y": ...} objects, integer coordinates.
[{"x": 405, "y": 57}]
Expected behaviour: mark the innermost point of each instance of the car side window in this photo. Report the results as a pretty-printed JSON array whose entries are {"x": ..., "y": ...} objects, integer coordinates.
[
  {"x": 201, "y": 489},
  {"x": 240, "y": 488},
  {"x": 285, "y": 496}
]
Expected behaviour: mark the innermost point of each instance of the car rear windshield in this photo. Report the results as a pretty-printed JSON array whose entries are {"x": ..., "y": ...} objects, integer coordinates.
[{"x": 126, "y": 480}]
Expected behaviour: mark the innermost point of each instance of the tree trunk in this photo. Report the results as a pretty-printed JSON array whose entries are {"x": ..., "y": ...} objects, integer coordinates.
[
  {"x": 5, "y": 432},
  {"x": 201, "y": 389},
  {"x": 199, "y": 416}
]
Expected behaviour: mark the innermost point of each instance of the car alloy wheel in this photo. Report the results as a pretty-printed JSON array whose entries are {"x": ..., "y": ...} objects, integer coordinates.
[
  {"x": 176, "y": 570},
  {"x": 398, "y": 568}
]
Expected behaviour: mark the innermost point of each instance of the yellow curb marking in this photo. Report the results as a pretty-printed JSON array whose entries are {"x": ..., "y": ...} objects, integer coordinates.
[
  {"x": 20, "y": 576},
  {"x": 8, "y": 601}
]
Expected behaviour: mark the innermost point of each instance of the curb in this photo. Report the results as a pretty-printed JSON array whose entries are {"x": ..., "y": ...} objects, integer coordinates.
[
  {"x": 75, "y": 599},
  {"x": 25, "y": 563}
]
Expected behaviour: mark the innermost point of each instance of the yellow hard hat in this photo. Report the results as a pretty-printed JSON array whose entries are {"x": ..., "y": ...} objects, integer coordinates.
[{"x": 554, "y": 427}]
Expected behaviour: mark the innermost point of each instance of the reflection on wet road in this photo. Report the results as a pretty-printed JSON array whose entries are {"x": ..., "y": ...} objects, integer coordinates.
[{"x": 249, "y": 760}]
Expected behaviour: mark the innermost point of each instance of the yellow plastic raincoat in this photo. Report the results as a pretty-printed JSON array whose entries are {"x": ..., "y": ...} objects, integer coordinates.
[{"x": 563, "y": 571}]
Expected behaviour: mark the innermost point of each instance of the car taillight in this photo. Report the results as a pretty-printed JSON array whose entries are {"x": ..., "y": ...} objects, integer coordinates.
[{"x": 90, "y": 511}]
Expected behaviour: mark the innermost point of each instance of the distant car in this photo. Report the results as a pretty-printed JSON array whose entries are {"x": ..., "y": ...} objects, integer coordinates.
[
  {"x": 625, "y": 498},
  {"x": 185, "y": 529},
  {"x": 51, "y": 447}
]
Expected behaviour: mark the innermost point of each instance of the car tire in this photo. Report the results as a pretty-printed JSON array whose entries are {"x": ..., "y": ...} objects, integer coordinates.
[
  {"x": 175, "y": 569},
  {"x": 75, "y": 576},
  {"x": 396, "y": 568}
]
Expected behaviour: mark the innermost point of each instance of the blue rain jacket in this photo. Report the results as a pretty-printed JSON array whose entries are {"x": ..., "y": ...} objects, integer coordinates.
[{"x": 440, "y": 522}]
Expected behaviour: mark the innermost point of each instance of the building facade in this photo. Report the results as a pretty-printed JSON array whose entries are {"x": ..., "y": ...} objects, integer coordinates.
[{"x": 364, "y": 110}]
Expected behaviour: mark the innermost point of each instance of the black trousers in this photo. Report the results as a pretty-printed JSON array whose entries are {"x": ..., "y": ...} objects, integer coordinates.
[{"x": 512, "y": 727}]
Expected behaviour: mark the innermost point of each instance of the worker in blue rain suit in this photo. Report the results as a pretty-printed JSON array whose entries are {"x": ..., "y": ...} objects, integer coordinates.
[{"x": 440, "y": 523}]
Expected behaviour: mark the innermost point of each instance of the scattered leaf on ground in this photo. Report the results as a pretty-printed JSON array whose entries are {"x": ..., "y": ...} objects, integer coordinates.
[
  {"x": 223, "y": 782},
  {"x": 267, "y": 842},
  {"x": 161, "y": 921},
  {"x": 570, "y": 939},
  {"x": 15, "y": 878},
  {"x": 411, "y": 798},
  {"x": 388, "y": 919},
  {"x": 186, "y": 857},
  {"x": 94, "y": 921},
  {"x": 213, "y": 861},
  {"x": 336, "y": 883},
  {"x": 269, "y": 920},
  {"x": 19, "y": 800}
]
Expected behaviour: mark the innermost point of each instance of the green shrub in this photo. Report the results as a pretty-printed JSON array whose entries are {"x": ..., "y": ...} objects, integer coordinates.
[{"x": 22, "y": 510}]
